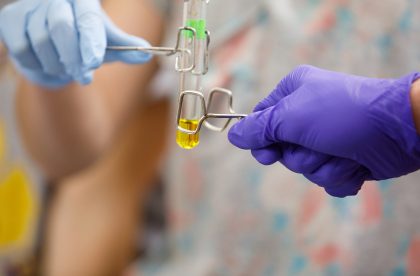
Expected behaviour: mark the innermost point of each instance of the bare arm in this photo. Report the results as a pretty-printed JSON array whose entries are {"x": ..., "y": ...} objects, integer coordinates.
[
  {"x": 415, "y": 102},
  {"x": 66, "y": 130}
]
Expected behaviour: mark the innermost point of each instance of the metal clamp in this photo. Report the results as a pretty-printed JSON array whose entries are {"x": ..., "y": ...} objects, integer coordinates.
[
  {"x": 203, "y": 120},
  {"x": 160, "y": 51},
  {"x": 186, "y": 68},
  {"x": 191, "y": 68},
  {"x": 177, "y": 50},
  {"x": 206, "y": 57}
]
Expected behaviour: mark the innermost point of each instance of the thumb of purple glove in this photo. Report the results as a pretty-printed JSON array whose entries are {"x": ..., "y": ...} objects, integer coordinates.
[{"x": 337, "y": 130}]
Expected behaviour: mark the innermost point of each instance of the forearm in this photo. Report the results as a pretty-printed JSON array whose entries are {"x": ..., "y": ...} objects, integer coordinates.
[
  {"x": 66, "y": 129},
  {"x": 415, "y": 103}
]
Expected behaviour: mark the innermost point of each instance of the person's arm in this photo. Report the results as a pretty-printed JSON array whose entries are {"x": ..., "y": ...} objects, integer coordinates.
[
  {"x": 415, "y": 103},
  {"x": 94, "y": 221},
  {"x": 67, "y": 129}
]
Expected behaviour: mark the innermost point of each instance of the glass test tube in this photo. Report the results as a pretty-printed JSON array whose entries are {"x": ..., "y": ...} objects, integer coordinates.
[{"x": 194, "y": 17}]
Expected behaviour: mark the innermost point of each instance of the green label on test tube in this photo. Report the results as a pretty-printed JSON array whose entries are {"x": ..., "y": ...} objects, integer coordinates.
[{"x": 199, "y": 26}]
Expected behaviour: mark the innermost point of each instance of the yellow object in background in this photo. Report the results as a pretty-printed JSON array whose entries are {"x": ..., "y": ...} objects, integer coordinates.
[
  {"x": 187, "y": 141},
  {"x": 17, "y": 209},
  {"x": 18, "y": 203}
]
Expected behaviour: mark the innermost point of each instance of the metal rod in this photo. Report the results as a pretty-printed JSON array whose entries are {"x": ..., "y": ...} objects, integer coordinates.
[{"x": 162, "y": 51}]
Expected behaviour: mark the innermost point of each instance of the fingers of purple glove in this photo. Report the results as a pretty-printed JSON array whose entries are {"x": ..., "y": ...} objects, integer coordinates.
[
  {"x": 286, "y": 87},
  {"x": 302, "y": 160},
  {"x": 250, "y": 133},
  {"x": 334, "y": 172},
  {"x": 280, "y": 123},
  {"x": 296, "y": 158},
  {"x": 269, "y": 155},
  {"x": 340, "y": 177},
  {"x": 351, "y": 187}
]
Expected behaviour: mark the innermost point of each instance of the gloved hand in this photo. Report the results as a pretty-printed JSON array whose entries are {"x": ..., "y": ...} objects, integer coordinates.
[
  {"x": 337, "y": 130},
  {"x": 54, "y": 42}
]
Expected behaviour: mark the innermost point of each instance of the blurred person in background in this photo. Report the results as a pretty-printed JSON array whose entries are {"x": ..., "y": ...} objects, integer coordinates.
[
  {"x": 88, "y": 140},
  {"x": 214, "y": 207}
]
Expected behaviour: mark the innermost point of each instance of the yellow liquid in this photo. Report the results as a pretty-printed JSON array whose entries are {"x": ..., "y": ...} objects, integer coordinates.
[{"x": 187, "y": 141}]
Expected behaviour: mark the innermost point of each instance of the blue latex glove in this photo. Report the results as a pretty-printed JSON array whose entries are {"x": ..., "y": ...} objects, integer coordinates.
[
  {"x": 54, "y": 42},
  {"x": 337, "y": 130}
]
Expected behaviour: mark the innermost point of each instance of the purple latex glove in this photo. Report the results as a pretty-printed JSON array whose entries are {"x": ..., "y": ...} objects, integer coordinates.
[{"x": 337, "y": 130}]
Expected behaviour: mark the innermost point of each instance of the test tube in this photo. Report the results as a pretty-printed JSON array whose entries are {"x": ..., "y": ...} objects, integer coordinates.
[{"x": 191, "y": 112}]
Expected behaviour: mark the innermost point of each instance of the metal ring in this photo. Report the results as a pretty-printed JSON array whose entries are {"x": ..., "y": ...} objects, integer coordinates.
[
  {"x": 203, "y": 119},
  {"x": 231, "y": 115},
  {"x": 181, "y": 104},
  {"x": 184, "y": 69}
]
